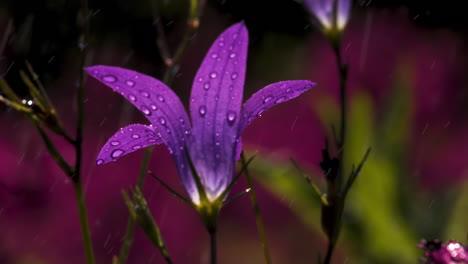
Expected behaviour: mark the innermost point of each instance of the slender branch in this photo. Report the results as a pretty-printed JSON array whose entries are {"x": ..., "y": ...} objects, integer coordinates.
[
  {"x": 258, "y": 216},
  {"x": 86, "y": 234},
  {"x": 169, "y": 188}
]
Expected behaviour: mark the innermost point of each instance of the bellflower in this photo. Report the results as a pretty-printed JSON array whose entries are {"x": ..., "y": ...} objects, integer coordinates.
[
  {"x": 451, "y": 252},
  {"x": 332, "y": 14},
  {"x": 212, "y": 137}
]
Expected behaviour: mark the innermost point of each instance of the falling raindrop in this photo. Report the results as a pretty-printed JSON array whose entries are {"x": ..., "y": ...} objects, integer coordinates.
[
  {"x": 202, "y": 110},
  {"x": 109, "y": 78},
  {"x": 117, "y": 153}
]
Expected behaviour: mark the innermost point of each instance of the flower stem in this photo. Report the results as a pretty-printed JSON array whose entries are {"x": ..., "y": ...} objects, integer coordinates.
[
  {"x": 84, "y": 222},
  {"x": 213, "y": 251},
  {"x": 331, "y": 247},
  {"x": 258, "y": 215}
]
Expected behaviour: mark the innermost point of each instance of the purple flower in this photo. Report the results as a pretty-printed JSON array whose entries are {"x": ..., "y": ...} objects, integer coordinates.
[
  {"x": 451, "y": 252},
  {"x": 213, "y": 134},
  {"x": 324, "y": 11}
]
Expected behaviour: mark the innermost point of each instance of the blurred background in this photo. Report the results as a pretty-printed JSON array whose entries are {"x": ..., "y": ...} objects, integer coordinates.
[{"x": 408, "y": 94}]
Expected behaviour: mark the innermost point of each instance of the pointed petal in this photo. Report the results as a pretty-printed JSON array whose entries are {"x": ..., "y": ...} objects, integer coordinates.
[
  {"x": 270, "y": 96},
  {"x": 162, "y": 108},
  {"x": 215, "y": 108},
  {"x": 127, "y": 140},
  {"x": 158, "y": 103},
  {"x": 344, "y": 8},
  {"x": 323, "y": 11}
]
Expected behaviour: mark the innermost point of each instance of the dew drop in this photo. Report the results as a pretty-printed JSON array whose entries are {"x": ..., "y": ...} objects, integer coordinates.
[
  {"x": 187, "y": 132},
  {"x": 144, "y": 93},
  {"x": 145, "y": 110},
  {"x": 202, "y": 110},
  {"x": 288, "y": 90},
  {"x": 213, "y": 75},
  {"x": 232, "y": 55},
  {"x": 130, "y": 83},
  {"x": 162, "y": 121},
  {"x": 281, "y": 99},
  {"x": 136, "y": 147},
  {"x": 154, "y": 107},
  {"x": 168, "y": 130},
  {"x": 217, "y": 155},
  {"x": 235, "y": 35},
  {"x": 151, "y": 140},
  {"x": 221, "y": 44},
  {"x": 267, "y": 99},
  {"x": 109, "y": 78},
  {"x": 200, "y": 79},
  {"x": 182, "y": 121},
  {"x": 231, "y": 117},
  {"x": 206, "y": 86},
  {"x": 135, "y": 136},
  {"x": 234, "y": 75},
  {"x": 99, "y": 162},
  {"x": 217, "y": 143},
  {"x": 214, "y": 55},
  {"x": 117, "y": 153},
  {"x": 230, "y": 47},
  {"x": 160, "y": 98},
  {"x": 261, "y": 112},
  {"x": 132, "y": 98},
  {"x": 115, "y": 143}
]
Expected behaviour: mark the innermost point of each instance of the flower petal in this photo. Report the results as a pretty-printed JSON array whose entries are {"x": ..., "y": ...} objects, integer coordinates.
[
  {"x": 162, "y": 108},
  {"x": 269, "y": 96},
  {"x": 215, "y": 108},
  {"x": 323, "y": 11},
  {"x": 158, "y": 103},
  {"x": 127, "y": 140},
  {"x": 344, "y": 8}
]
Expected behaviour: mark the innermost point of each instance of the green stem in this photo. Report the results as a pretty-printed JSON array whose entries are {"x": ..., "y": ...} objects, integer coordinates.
[
  {"x": 258, "y": 216},
  {"x": 330, "y": 249},
  {"x": 130, "y": 229},
  {"x": 84, "y": 222},
  {"x": 213, "y": 251}
]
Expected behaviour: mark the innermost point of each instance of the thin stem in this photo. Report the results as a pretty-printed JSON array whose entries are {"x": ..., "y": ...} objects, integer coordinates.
[
  {"x": 330, "y": 249},
  {"x": 258, "y": 216},
  {"x": 84, "y": 222},
  {"x": 213, "y": 251}
]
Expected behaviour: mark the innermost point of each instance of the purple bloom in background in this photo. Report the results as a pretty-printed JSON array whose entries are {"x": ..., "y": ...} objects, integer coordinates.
[
  {"x": 212, "y": 136},
  {"x": 451, "y": 252},
  {"x": 324, "y": 11}
]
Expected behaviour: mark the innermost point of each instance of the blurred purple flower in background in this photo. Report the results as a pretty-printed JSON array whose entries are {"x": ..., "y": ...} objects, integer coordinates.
[
  {"x": 332, "y": 14},
  {"x": 213, "y": 139},
  {"x": 451, "y": 252}
]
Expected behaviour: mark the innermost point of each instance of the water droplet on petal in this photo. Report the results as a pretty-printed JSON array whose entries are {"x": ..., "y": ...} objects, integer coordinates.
[
  {"x": 200, "y": 79},
  {"x": 187, "y": 132},
  {"x": 206, "y": 86},
  {"x": 115, "y": 143},
  {"x": 160, "y": 98},
  {"x": 217, "y": 143},
  {"x": 144, "y": 93},
  {"x": 109, "y": 78},
  {"x": 232, "y": 55},
  {"x": 288, "y": 90},
  {"x": 151, "y": 140},
  {"x": 132, "y": 98},
  {"x": 168, "y": 130},
  {"x": 213, "y": 75},
  {"x": 261, "y": 111},
  {"x": 267, "y": 99},
  {"x": 154, "y": 107},
  {"x": 230, "y": 47},
  {"x": 130, "y": 83},
  {"x": 99, "y": 162},
  {"x": 202, "y": 110},
  {"x": 145, "y": 110},
  {"x": 162, "y": 121},
  {"x": 136, "y": 147},
  {"x": 214, "y": 55},
  {"x": 231, "y": 117},
  {"x": 234, "y": 75},
  {"x": 217, "y": 156},
  {"x": 281, "y": 99},
  {"x": 117, "y": 153},
  {"x": 135, "y": 136},
  {"x": 170, "y": 150},
  {"x": 235, "y": 35},
  {"x": 221, "y": 44},
  {"x": 182, "y": 121}
]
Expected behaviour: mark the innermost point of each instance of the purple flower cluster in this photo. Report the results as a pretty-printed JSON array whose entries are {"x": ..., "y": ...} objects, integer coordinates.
[{"x": 451, "y": 252}]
